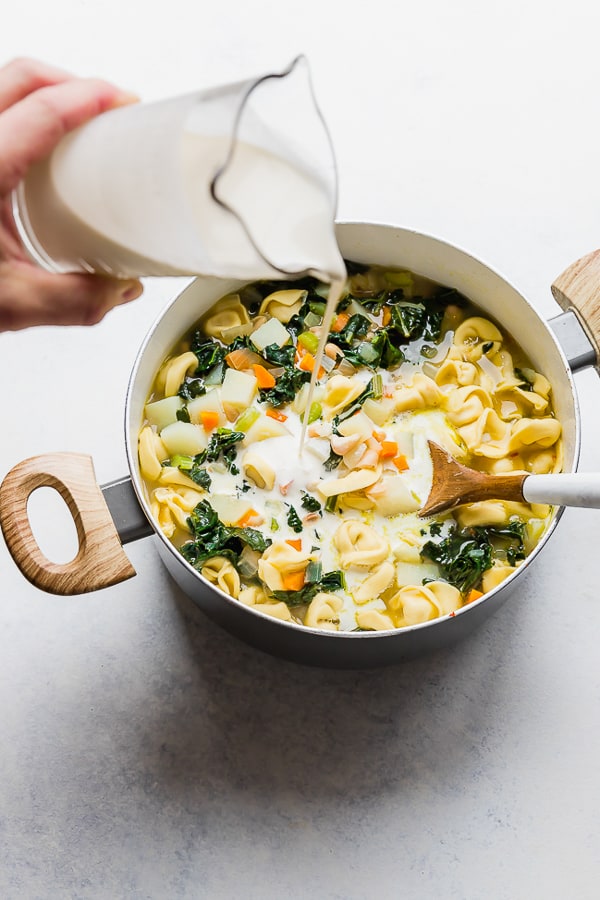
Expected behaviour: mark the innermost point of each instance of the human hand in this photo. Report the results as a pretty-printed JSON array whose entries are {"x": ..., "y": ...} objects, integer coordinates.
[{"x": 38, "y": 106}]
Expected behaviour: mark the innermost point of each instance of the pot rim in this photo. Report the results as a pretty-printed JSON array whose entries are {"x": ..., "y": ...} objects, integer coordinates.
[{"x": 354, "y": 635}]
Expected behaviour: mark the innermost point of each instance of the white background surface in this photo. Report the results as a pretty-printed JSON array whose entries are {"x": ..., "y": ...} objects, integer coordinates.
[{"x": 144, "y": 752}]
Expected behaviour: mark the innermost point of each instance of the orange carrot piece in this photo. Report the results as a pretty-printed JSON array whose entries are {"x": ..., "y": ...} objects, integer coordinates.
[
  {"x": 275, "y": 414},
  {"x": 387, "y": 316},
  {"x": 340, "y": 322},
  {"x": 296, "y": 543},
  {"x": 209, "y": 419},
  {"x": 473, "y": 595},
  {"x": 247, "y": 517},
  {"x": 307, "y": 363},
  {"x": 263, "y": 377},
  {"x": 293, "y": 581},
  {"x": 389, "y": 450},
  {"x": 400, "y": 462}
]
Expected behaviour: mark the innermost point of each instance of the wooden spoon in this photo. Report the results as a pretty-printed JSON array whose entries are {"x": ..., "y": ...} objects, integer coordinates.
[{"x": 455, "y": 484}]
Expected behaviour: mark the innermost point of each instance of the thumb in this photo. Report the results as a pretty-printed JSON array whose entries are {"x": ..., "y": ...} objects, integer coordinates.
[{"x": 30, "y": 296}]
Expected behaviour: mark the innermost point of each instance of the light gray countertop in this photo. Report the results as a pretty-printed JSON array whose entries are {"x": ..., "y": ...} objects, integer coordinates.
[{"x": 145, "y": 753}]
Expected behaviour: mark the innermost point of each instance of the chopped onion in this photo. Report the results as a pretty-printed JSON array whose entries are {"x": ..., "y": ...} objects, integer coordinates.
[{"x": 346, "y": 368}]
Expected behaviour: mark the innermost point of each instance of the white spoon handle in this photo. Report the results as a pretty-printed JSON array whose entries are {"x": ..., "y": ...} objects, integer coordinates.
[{"x": 577, "y": 489}]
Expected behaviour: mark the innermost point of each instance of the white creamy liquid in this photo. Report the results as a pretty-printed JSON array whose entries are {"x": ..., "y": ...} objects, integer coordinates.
[{"x": 149, "y": 210}]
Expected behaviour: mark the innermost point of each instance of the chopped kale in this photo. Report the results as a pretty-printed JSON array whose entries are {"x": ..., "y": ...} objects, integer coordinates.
[
  {"x": 416, "y": 319},
  {"x": 183, "y": 414},
  {"x": 212, "y": 538},
  {"x": 310, "y": 503},
  {"x": 331, "y": 581},
  {"x": 294, "y": 520},
  {"x": 332, "y": 461},
  {"x": 464, "y": 555},
  {"x": 286, "y": 387},
  {"x": 386, "y": 342},
  {"x": 192, "y": 388},
  {"x": 222, "y": 442},
  {"x": 209, "y": 353},
  {"x": 280, "y": 356}
]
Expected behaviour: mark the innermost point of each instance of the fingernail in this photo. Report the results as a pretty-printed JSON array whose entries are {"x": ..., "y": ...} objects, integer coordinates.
[{"x": 131, "y": 290}]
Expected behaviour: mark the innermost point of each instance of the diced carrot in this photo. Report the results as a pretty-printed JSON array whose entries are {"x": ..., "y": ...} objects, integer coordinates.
[
  {"x": 400, "y": 462},
  {"x": 242, "y": 359},
  {"x": 209, "y": 419},
  {"x": 275, "y": 414},
  {"x": 387, "y": 315},
  {"x": 473, "y": 595},
  {"x": 296, "y": 543},
  {"x": 263, "y": 377},
  {"x": 340, "y": 322},
  {"x": 307, "y": 363},
  {"x": 293, "y": 581},
  {"x": 247, "y": 517},
  {"x": 379, "y": 435},
  {"x": 389, "y": 450}
]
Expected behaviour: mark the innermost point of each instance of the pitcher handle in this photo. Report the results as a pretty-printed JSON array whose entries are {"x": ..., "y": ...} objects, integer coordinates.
[
  {"x": 100, "y": 561},
  {"x": 578, "y": 289}
]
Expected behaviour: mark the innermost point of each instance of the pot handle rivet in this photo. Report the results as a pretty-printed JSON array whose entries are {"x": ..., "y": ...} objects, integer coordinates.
[{"x": 100, "y": 561}]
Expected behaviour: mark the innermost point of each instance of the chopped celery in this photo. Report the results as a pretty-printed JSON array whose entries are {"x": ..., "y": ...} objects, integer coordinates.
[
  {"x": 317, "y": 308},
  {"x": 400, "y": 279},
  {"x": 331, "y": 504},
  {"x": 367, "y": 352},
  {"x": 311, "y": 319},
  {"x": 315, "y": 412},
  {"x": 377, "y": 387},
  {"x": 179, "y": 461},
  {"x": 274, "y": 525},
  {"x": 309, "y": 341},
  {"x": 247, "y": 418}
]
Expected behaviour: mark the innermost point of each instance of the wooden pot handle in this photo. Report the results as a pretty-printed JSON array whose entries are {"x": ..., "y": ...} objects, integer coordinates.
[
  {"x": 578, "y": 288},
  {"x": 100, "y": 560}
]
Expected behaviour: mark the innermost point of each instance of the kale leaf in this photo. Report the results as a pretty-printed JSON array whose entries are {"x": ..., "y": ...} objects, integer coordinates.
[
  {"x": 286, "y": 387},
  {"x": 209, "y": 353},
  {"x": 212, "y": 538},
  {"x": 310, "y": 503},
  {"x": 294, "y": 520},
  {"x": 464, "y": 555},
  {"x": 331, "y": 581}
]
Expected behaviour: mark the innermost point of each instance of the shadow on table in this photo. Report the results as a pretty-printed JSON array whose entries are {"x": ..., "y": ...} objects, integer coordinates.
[{"x": 234, "y": 718}]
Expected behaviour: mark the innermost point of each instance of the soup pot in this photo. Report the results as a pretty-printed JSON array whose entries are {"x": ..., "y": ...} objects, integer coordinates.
[{"x": 107, "y": 517}]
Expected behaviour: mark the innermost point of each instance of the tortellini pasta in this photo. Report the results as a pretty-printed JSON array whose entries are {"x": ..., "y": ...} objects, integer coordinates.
[{"x": 328, "y": 535}]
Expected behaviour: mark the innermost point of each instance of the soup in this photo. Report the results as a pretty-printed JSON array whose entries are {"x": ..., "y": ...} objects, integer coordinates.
[{"x": 326, "y": 532}]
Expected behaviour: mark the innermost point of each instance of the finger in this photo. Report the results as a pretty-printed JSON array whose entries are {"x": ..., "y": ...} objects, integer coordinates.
[
  {"x": 21, "y": 77},
  {"x": 30, "y": 297},
  {"x": 31, "y": 128}
]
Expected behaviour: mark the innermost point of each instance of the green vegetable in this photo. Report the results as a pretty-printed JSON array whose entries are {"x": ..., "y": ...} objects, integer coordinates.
[
  {"x": 212, "y": 538},
  {"x": 331, "y": 504},
  {"x": 332, "y": 461},
  {"x": 315, "y": 412},
  {"x": 314, "y": 571},
  {"x": 182, "y": 414},
  {"x": 464, "y": 555},
  {"x": 280, "y": 356},
  {"x": 222, "y": 442},
  {"x": 375, "y": 386},
  {"x": 247, "y": 418},
  {"x": 310, "y": 503},
  {"x": 209, "y": 353},
  {"x": 294, "y": 520},
  {"x": 385, "y": 342},
  {"x": 192, "y": 388},
  {"x": 331, "y": 581},
  {"x": 287, "y": 386},
  {"x": 309, "y": 341},
  {"x": 416, "y": 319}
]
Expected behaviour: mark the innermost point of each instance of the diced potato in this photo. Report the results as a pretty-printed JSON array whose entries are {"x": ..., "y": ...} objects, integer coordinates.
[
  {"x": 229, "y": 508},
  {"x": 272, "y": 332},
  {"x": 237, "y": 392},
  {"x": 264, "y": 427},
  {"x": 209, "y": 402},
  {"x": 379, "y": 411},
  {"x": 319, "y": 447},
  {"x": 414, "y": 573},
  {"x": 184, "y": 437},
  {"x": 162, "y": 412},
  {"x": 359, "y": 424}
]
